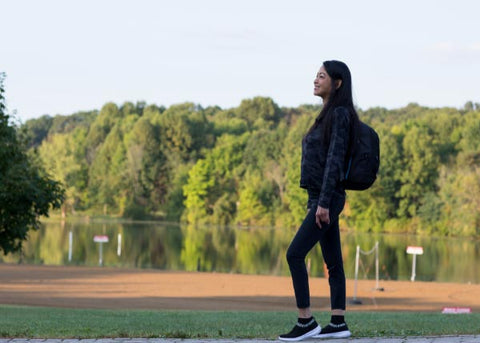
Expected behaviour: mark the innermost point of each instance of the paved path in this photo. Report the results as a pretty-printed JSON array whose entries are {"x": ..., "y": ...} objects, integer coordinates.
[{"x": 437, "y": 339}]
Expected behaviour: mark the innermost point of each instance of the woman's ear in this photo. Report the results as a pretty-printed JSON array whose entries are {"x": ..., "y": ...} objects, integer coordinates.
[{"x": 338, "y": 83}]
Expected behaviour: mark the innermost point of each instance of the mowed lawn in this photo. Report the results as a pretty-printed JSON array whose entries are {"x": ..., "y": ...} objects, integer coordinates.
[{"x": 41, "y": 322}]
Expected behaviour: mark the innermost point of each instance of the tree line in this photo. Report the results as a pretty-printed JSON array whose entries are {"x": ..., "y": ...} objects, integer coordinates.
[{"x": 241, "y": 166}]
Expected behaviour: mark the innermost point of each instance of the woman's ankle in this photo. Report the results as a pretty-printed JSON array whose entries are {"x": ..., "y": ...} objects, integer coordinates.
[{"x": 304, "y": 313}]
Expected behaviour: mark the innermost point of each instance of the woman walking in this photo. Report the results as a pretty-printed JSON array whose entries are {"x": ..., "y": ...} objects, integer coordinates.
[{"x": 324, "y": 149}]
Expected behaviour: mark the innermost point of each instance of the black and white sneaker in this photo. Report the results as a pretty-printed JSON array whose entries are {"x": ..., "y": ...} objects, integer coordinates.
[
  {"x": 301, "y": 331},
  {"x": 334, "y": 331}
]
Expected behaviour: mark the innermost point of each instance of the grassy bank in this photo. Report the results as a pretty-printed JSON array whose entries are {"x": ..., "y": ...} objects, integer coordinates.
[{"x": 37, "y": 322}]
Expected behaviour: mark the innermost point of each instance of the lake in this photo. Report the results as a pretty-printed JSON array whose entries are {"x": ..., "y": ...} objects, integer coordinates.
[{"x": 246, "y": 251}]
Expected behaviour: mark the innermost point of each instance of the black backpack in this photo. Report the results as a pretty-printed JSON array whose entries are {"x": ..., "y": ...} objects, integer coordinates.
[{"x": 363, "y": 158}]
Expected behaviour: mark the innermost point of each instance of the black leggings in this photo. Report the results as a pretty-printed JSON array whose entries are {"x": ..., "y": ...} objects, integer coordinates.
[{"x": 329, "y": 237}]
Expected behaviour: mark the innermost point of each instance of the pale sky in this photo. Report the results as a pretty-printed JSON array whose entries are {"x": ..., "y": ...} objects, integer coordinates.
[{"x": 61, "y": 57}]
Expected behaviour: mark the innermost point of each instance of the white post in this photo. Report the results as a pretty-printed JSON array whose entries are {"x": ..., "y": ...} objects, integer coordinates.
[
  {"x": 100, "y": 260},
  {"x": 376, "y": 266},
  {"x": 70, "y": 246},
  {"x": 119, "y": 246},
  {"x": 357, "y": 261},
  {"x": 413, "y": 250},
  {"x": 414, "y": 265},
  {"x": 100, "y": 239}
]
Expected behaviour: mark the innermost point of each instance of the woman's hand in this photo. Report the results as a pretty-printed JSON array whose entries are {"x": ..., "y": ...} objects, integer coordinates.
[{"x": 322, "y": 215}]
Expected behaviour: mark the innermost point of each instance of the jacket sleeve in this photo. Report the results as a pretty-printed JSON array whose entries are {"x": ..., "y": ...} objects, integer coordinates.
[{"x": 334, "y": 167}]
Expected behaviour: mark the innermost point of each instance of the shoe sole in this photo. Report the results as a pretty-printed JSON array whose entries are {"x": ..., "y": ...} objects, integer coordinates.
[
  {"x": 341, "y": 334},
  {"x": 304, "y": 336}
]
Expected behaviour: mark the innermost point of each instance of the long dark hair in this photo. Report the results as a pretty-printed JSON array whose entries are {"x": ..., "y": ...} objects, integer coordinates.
[{"x": 342, "y": 96}]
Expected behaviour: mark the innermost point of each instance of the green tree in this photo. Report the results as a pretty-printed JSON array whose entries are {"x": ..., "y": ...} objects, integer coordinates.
[
  {"x": 256, "y": 201},
  {"x": 107, "y": 176},
  {"x": 226, "y": 122},
  {"x": 469, "y": 142},
  {"x": 63, "y": 155},
  {"x": 370, "y": 210},
  {"x": 184, "y": 131},
  {"x": 420, "y": 171},
  {"x": 294, "y": 198},
  {"x": 37, "y": 130},
  {"x": 100, "y": 128},
  {"x": 196, "y": 191},
  {"x": 146, "y": 166},
  {"x": 26, "y": 192},
  {"x": 460, "y": 204},
  {"x": 259, "y": 112}
]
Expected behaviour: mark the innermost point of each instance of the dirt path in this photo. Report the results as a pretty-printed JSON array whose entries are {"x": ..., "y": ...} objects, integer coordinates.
[{"x": 111, "y": 288}]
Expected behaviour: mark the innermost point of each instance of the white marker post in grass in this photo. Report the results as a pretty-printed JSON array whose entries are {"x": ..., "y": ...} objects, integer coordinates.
[
  {"x": 412, "y": 250},
  {"x": 100, "y": 239}
]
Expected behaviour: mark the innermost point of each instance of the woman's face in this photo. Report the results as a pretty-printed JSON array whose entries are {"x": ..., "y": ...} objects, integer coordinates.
[{"x": 322, "y": 84}]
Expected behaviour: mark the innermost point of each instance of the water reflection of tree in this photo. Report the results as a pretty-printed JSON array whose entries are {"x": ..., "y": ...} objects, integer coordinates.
[
  {"x": 249, "y": 251},
  {"x": 253, "y": 248},
  {"x": 197, "y": 249},
  {"x": 151, "y": 246}
]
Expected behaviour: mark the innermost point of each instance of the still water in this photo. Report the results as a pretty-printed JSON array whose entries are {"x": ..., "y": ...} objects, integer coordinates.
[{"x": 246, "y": 251}]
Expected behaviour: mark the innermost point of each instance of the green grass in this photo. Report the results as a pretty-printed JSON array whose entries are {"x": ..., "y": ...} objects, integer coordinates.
[{"x": 38, "y": 322}]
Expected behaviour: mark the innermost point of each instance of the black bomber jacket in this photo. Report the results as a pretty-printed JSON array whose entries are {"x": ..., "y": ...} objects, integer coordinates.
[{"x": 323, "y": 165}]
